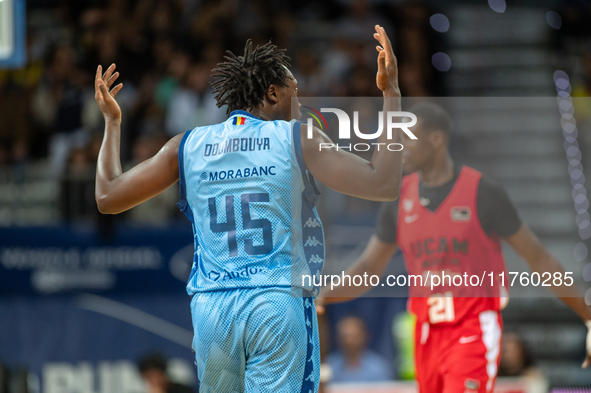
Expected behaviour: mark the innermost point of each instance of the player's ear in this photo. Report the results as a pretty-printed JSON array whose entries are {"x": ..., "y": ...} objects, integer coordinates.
[
  {"x": 273, "y": 94},
  {"x": 438, "y": 138}
]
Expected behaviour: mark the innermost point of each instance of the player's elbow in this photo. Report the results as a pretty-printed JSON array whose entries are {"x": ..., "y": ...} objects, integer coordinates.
[
  {"x": 104, "y": 204},
  {"x": 389, "y": 192},
  {"x": 392, "y": 195}
]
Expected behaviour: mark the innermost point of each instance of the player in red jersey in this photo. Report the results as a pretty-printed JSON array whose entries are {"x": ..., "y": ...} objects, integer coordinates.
[{"x": 450, "y": 218}]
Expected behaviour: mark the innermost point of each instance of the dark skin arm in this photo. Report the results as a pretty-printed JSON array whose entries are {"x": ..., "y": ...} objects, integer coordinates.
[
  {"x": 348, "y": 173},
  {"x": 377, "y": 254},
  {"x": 539, "y": 259},
  {"x": 117, "y": 191}
]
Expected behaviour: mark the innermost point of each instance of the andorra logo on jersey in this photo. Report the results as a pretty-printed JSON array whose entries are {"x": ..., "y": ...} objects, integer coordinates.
[
  {"x": 407, "y": 204},
  {"x": 230, "y": 274}
]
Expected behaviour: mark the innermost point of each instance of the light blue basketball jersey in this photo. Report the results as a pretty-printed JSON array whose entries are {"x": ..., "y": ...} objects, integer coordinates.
[{"x": 250, "y": 199}]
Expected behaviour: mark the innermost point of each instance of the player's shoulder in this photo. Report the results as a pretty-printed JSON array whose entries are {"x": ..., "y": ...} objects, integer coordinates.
[
  {"x": 284, "y": 124},
  {"x": 492, "y": 194},
  {"x": 489, "y": 185},
  {"x": 485, "y": 181}
]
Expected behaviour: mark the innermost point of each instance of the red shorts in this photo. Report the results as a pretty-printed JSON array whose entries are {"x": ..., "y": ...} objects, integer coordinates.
[{"x": 459, "y": 358}]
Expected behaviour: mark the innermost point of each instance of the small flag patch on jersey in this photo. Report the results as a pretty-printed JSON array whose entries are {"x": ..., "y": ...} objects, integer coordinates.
[
  {"x": 460, "y": 213},
  {"x": 239, "y": 120}
]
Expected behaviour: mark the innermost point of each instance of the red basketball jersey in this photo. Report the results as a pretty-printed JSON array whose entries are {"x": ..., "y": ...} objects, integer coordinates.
[{"x": 449, "y": 241}]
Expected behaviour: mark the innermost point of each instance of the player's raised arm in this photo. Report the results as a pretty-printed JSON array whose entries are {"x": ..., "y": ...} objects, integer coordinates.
[
  {"x": 350, "y": 174},
  {"x": 117, "y": 191},
  {"x": 540, "y": 260}
]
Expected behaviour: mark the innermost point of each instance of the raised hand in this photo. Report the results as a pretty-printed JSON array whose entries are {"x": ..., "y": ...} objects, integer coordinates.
[
  {"x": 387, "y": 77},
  {"x": 105, "y": 98},
  {"x": 587, "y": 361}
]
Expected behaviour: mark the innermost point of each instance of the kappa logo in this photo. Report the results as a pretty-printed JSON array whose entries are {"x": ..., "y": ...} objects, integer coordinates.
[
  {"x": 407, "y": 204},
  {"x": 312, "y": 223},
  {"x": 460, "y": 213},
  {"x": 315, "y": 258},
  {"x": 312, "y": 241}
]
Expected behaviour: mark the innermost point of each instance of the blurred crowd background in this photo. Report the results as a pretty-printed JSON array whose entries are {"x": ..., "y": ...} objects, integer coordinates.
[
  {"x": 165, "y": 51},
  {"x": 51, "y": 130}
]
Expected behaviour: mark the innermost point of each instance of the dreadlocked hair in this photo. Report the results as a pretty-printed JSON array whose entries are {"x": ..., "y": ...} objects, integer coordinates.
[{"x": 243, "y": 80}]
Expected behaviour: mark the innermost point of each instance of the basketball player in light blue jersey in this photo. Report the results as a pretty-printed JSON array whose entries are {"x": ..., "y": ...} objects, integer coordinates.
[{"x": 247, "y": 185}]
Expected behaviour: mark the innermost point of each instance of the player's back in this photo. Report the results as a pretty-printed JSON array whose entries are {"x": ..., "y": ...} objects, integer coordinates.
[{"x": 238, "y": 181}]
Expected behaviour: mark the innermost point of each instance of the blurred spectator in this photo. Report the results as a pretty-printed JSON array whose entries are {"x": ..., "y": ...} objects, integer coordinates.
[
  {"x": 177, "y": 69},
  {"x": 146, "y": 116},
  {"x": 164, "y": 51},
  {"x": 16, "y": 88},
  {"x": 192, "y": 104},
  {"x": 254, "y": 18},
  {"x": 154, "y": 372},
  {"x": 583, "y": 89},
  {"x": 412, "y": 81},
  {"x": 358, "y": 24},
  {"x": 3, "y": 378},
  {"x": 516, "y": 361},
  {"x": 158, "y": 210},
  {"x": 307, "y": 73},
  {"x": 58, "y": 105},
  {"x": 362, "y": 83},
  {"x": 353, "y": 362},
  {"x": 415, "y": 43},
  {"x": 77, "y": 187}
]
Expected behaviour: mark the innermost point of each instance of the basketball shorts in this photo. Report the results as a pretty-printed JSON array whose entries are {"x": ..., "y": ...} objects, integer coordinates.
[
  {"x": 255, "y": 340},
  {"x": 460, "y": 358}
]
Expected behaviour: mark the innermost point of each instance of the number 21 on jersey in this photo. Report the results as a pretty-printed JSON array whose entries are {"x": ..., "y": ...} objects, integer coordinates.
[{"x": 441, "y": 308}]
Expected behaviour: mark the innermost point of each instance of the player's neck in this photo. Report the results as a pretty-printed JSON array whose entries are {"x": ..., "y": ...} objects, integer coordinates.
[
  {"x": 258, "y": 112},
  {"x": 439, "y": 173}
]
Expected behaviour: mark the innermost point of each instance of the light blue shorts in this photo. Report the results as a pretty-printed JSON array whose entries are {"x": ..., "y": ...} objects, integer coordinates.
[{"x": 255, "y": 340}]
